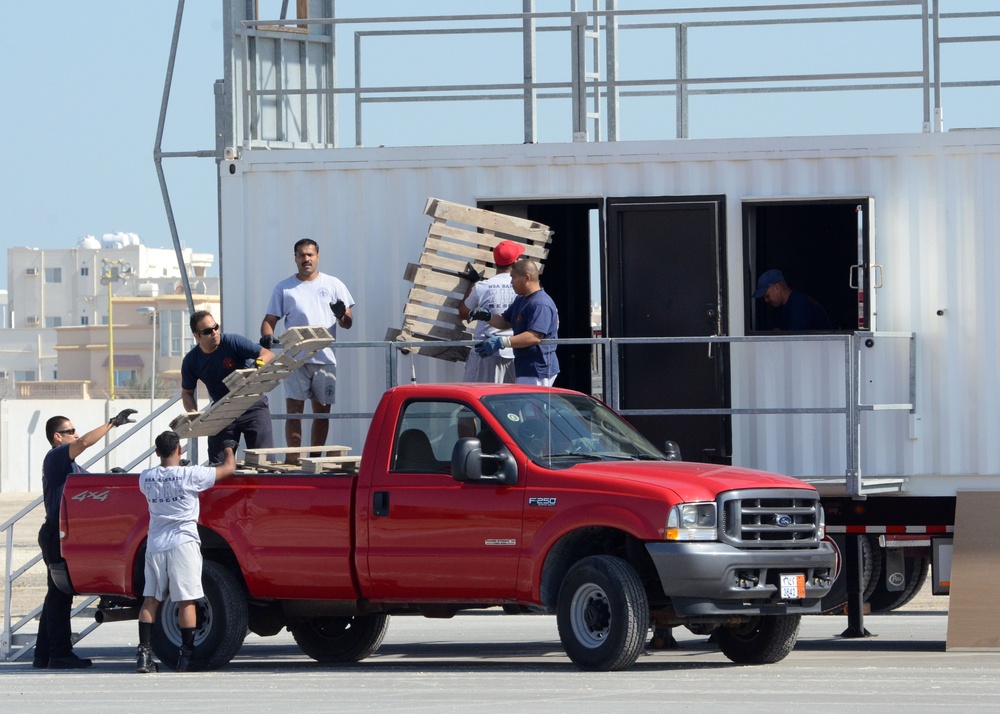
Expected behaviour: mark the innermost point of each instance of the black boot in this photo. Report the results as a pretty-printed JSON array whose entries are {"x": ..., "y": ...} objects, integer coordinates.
[
  {"x": 184, "y": 659},
  {"x": 144, "y": 663}
]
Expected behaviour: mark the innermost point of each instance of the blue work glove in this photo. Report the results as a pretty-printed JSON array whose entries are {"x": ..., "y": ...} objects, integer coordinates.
[
  {"x": 268, "y": 341},
  {"x": 479, "y": 313},
  {"x": 230, "y": 444},
  {"x": 489, "y": 346}
]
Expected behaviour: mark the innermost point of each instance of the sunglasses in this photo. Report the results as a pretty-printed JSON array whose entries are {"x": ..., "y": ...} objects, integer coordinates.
[
  {"x": 69, "y": 432},
  {"x": 207, "y": 331}
]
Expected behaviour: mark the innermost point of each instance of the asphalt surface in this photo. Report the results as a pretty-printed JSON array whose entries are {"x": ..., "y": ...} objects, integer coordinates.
[{"x": 495, "y": 662}]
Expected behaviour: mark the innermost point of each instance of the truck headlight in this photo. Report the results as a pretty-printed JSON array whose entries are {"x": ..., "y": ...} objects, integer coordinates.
[{"x": 692, "y": 521}]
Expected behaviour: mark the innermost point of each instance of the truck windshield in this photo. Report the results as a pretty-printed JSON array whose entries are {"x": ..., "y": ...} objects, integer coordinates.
[{"x": 568, "y": 428}]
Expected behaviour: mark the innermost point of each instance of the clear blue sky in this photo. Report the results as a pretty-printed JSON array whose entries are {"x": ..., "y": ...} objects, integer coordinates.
[{"x": 82, "y": 84}]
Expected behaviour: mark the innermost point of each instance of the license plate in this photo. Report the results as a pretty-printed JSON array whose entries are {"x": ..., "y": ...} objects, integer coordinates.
[{"x": 793, "y": 587}]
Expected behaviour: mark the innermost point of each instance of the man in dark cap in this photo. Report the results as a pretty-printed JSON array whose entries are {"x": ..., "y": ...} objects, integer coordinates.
[{"x": 793, "y": 309}]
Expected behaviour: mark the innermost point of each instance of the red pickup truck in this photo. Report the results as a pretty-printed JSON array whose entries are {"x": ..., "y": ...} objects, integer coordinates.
[{"x": 473, "y": 496}]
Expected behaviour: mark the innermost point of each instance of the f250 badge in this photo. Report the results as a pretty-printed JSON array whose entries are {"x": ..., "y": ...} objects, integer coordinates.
[
  {"x": 96, "y": 495},
  {"x": 542, "y": 501}
]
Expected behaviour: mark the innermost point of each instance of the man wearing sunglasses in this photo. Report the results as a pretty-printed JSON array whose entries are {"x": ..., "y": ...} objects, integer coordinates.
[
  {"x": 214, "y": 357},
  {"x": 54, "y": 646}
]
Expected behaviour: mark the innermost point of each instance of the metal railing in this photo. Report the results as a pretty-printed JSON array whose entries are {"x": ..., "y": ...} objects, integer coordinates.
[
  {"x": 278, "y": 105},
  {"x": 610, "y": 349},
  {"x": 12, "y": 645}
]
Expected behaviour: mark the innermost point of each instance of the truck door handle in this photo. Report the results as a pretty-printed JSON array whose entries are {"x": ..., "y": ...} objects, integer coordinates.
[{"x": 380, "y": 503}]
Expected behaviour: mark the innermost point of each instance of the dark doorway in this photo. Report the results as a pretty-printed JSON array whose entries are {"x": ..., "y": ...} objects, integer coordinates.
[
  {"x": 566, "y": 277},
  {"x": 665, "y": 276},
  {"x": 823, "y": 248}
]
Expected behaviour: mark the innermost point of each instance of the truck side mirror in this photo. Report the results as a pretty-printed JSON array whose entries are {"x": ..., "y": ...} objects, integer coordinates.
[
  {"x": 468, "y": 460},
  {"x": 672, "y": 451}
]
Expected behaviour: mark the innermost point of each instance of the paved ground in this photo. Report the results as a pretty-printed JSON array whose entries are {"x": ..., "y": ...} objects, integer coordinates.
[{"x": 501, "y": 663}]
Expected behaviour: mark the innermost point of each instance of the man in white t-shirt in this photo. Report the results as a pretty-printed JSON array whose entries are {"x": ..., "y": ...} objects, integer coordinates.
[
  {"x": 173, "y": 547},
  {"x": 485, "y": 299},
  {"x": 309, "y": 298}
]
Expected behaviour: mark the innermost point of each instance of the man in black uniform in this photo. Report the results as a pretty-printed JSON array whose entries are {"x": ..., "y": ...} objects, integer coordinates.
[{"x": 54, "y": 646}]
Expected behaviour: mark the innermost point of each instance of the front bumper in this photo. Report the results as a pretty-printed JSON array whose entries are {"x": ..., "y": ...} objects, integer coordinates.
[{"x": 718, "y": 579}]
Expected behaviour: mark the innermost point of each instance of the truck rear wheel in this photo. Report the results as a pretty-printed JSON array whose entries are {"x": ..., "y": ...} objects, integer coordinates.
[
  {"x": 222, "y": 622},
  {"x": 341, "y": 639},
  {"x": 602, "y": 614},
  {"x": 763, "y": 640}
]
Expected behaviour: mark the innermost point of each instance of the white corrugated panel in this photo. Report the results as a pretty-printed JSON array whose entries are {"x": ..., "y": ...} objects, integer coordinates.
[{"x": 937, "y": 219}]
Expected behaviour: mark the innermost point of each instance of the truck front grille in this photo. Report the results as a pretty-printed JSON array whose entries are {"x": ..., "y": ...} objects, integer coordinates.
[{"x": 788, "y": 518}]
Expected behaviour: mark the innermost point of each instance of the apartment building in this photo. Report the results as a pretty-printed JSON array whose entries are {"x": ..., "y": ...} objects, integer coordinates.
[{"x": 99, "y": 317}]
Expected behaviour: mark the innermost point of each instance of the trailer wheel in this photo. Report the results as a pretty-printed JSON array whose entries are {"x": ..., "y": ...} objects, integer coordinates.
[
  {"x": 762, "y": 640},
  {"x": 883, "y": 600},
  {"x": 222, "y": 622},
  {"x": 341, "y": 639},
  {"x": 833, "y": 603},
  {"x": 602, "y": 614}
]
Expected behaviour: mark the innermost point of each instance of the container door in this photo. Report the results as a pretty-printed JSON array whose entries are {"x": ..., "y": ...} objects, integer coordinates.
[{"x": 665, "y": 271}]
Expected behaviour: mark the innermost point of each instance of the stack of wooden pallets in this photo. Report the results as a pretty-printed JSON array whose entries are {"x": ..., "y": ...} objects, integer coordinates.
[
  {"x": 335, "y": 459},
  {"x": 431, "y": 311},
  {"x": 246, "y": 386}
]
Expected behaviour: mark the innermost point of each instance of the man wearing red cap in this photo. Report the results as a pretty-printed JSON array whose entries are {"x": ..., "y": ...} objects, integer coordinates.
[{"x": 483, "y": 300}]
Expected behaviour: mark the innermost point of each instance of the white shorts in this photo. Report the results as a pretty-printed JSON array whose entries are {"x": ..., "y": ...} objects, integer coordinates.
[
  {"x": 539, "y": 381},
  {"x": 174, "y": 573},
  {"x": 313, "y": 381},
  {"x": 488, "y": 369}
]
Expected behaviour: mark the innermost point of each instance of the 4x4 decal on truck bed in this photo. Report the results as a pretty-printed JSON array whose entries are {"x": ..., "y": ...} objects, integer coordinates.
[{"x": 96, "y": 495}]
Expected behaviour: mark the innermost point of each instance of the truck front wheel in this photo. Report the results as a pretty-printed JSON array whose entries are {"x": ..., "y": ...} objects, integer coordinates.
[
  {"x": 602, "y": 614},
  {"x": 341, "y": 639},
  {"x": 222, "y": 622},
  {"x": 762, "y": 640}
]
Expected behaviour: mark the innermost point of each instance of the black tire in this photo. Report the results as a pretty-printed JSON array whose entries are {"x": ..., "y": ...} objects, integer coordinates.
[
  {"x": 835, "y": 601},
  {"x": 763, "y": 640},
  {"x": 602, "y": 614},
  {"x": 341, "y": 639},
  {"x": 915, "y": 571},
  {"x": 222, "y": 622}
]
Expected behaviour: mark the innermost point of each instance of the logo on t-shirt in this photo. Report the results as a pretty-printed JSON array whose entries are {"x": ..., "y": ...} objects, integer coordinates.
[{"x": 229, "y": 364}]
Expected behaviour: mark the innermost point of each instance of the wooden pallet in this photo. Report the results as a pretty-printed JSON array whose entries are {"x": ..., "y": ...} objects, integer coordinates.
[
  {"x": 246, "y": 386},
  {"x": 256, "y": 457},
  {"x": 348, "y": 464},
  {"x": 431, "y": 310}
]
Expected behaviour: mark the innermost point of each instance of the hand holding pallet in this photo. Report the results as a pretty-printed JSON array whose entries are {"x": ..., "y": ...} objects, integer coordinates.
[
  {"x": 454, "y": 258},
  {"x": 246, "y": 386}
]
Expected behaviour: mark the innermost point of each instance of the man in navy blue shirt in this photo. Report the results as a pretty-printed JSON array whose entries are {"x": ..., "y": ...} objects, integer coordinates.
[
  {"x": 213, "y": 358},
  {"x": 793, "y": 309},
  {"x": 54, "y": 645},
  {"x": 533, "y": 317}
]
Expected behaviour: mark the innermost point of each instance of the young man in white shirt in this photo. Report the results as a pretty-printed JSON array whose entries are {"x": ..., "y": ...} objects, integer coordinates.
[{"x": 173, "y": 548}]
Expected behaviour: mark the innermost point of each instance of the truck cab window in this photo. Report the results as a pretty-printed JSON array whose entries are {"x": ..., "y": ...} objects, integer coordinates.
[{"x": 427, "y": 433}]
